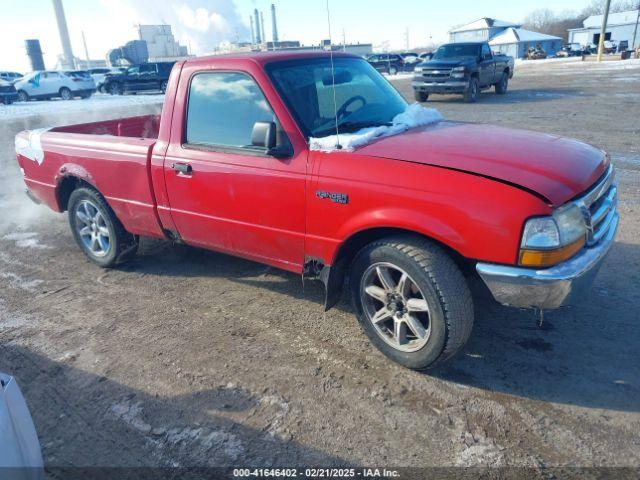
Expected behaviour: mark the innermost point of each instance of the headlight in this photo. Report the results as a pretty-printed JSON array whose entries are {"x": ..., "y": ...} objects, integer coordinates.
[
  {"x": 547, "y": 241},
  {"x": 458, "y": 72},
  {"x": 418, "y": 69}
]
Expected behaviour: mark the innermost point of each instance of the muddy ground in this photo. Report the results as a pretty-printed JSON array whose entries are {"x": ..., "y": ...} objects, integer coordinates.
[{"x": 186, "y": 357}]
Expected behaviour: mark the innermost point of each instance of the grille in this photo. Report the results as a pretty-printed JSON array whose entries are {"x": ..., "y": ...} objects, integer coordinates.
[
  {"x": 599, "y": 207},
  {"x": 438, "y": 75}
]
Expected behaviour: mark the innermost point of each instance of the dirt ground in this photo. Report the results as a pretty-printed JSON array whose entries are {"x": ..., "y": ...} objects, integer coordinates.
[{"x": 186, "y": 357}]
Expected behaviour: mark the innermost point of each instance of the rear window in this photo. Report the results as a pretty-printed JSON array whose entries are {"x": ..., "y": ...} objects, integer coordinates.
[{"x": 223, "y": 108}]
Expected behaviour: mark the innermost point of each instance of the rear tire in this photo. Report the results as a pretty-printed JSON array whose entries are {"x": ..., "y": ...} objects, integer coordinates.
[
  {"x": 163, "y": 86},
  {"x": 472, "y": 91},
  {"x": 65, "y": 94},
  {"x": 97, "y": 230},
  {"x": 393, "y": 71},
  {"x": 435, "y": 307},
  {"x": 420, "y": 96},
  {"x": 503, "y": 84}
]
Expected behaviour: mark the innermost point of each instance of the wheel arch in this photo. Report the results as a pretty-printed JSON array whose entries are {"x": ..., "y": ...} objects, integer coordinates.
[
  {"x": 71, "y": 177},
  {"x": 333, "y": 276}
]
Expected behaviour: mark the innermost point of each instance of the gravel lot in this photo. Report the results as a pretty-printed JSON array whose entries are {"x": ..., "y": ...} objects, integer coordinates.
[{"x": 186, "y": 357}]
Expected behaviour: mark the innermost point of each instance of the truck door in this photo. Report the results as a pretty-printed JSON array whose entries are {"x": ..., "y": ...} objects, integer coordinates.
[
  {"x": 225, "y": 194},
  {"x": 487, "y": 66}
]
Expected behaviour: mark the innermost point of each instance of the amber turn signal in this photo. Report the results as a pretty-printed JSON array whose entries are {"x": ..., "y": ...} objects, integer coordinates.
[{"x": 548, "y": 258}]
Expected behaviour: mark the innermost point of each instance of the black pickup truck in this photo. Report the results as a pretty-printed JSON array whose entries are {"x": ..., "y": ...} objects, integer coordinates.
[
  {"x": 464, "y": 68},
  {"x": 139, "y": 78}
]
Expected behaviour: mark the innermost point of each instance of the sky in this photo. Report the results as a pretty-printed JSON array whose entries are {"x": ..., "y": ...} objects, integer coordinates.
[{"x": 203, "y": 24}]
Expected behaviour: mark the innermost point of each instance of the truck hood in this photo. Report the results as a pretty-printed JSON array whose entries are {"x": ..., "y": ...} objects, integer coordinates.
[
  {"x": 447, "y": 63},
  {"x": 553, "y": 167}
]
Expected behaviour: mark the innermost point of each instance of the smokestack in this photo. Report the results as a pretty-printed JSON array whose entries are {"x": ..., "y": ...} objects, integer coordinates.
[
  {"x": 253, "y": 33},
  {"x": 35, "y": 54},
  {"x": 67, "y": 58},
  {"x": 257, "y": 22},
  {"x": 274, "y": 25},
  {"x": 264, "y": 35}
]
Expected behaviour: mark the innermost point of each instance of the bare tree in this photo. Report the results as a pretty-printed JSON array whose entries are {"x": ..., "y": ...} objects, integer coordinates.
[{"x": 597, "y": 7}]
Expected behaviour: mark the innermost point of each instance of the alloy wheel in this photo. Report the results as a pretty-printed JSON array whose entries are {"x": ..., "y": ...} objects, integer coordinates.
[
  {"x": 92, "y": 229},
  {"x": 396, "y": 307}
]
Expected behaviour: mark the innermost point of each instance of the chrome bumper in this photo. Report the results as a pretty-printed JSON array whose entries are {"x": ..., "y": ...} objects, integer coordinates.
[{"x": 548, "y": 288}]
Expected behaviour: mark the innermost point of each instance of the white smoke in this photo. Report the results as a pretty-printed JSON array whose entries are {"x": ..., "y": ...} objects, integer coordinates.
[{"x": 200, "y": 24}]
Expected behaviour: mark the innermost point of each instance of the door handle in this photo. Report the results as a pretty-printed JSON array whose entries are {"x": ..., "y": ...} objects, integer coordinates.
[{"x": 183, "y": 168}]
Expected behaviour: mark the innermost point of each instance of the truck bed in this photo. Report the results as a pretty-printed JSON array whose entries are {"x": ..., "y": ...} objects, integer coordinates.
[
  {"x": 113, "y": 156},
  {"x": 145, "y": 126}
]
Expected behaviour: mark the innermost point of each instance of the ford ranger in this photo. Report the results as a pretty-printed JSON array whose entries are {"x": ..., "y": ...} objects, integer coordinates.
[
  {"x": 465, "y": 68},
  {"x": 406, "y": 220}
]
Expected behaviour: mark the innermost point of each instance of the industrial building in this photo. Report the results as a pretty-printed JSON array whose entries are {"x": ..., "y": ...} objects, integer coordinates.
[
  {"x": 622, "y": 27},
  {"x": 161, "y": 44},
  {"x": 506, "y": 37}
]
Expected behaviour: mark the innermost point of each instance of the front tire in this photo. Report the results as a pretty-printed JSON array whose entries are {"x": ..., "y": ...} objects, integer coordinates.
[
  {"x": 411, "y": 300},
  {"x": 23, "y": 96},
  {"x": 97, "y": 230},
  {"x": 420, "y": 96},
  {"x": 393, "y": 71},
  {"x": 163, "y": 86},
  {"x": 472, "y": 91}
]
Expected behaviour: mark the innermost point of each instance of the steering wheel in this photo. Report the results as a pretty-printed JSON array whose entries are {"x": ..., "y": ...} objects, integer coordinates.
[{"x": 342, "y": 111}]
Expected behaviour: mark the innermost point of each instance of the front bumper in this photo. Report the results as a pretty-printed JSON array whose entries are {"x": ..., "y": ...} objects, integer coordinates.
[
  {"x": 440, "y": 87},
  {"x": 8, "y": 97},
  {"x": 548, "y": 288}
]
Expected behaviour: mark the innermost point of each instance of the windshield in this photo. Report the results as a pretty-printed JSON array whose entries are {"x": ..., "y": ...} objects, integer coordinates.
[
  {"x": 456, "y": 51},
  {"x": 363, "y": 98}
]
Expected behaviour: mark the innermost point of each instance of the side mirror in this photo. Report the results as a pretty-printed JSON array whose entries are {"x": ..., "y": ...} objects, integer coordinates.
[{"x": 264, "y": 135}]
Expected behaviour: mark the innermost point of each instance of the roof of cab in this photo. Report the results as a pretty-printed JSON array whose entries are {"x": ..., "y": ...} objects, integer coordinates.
[{"x": 262, "y": 58}]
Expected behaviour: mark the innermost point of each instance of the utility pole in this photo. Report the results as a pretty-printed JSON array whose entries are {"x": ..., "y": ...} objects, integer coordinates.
[
  {"x": 406, "y": 39},
  {"x": 86, "y": 50},
  {"x": 635, "y": 30},
  {"x": 603, "y": 30}
]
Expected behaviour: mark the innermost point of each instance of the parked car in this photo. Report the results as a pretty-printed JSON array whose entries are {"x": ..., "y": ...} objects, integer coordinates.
[
  {"x": 410, "y": 219},
  {"x": 535, "y": 53},
  {"x": 10, "y": 77},
  {"x": 425, "y": 56},
  {"x": 20, "y": 455},
  {"x": 465, "y": 68},
  {"x": 410, "y": 58},
  {"x": 49, "y": 84},
  {"x": 390, "y": 63},
  {"x": 570, "y": 50},
  {"x": 99, "y": 76},
  {"x": 8, "y": 93},
  {"x": 139, "y": 78}
]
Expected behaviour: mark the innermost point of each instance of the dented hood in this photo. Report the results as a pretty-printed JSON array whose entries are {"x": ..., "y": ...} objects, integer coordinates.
[{"x": 555, "y": 168}]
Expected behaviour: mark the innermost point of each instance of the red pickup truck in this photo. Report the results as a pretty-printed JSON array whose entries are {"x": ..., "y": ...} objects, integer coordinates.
[{"x": 408, "y": 218}]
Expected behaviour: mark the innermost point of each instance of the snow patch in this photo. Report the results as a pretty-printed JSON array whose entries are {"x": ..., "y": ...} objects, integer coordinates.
[
  {"x": 16, "y": 281},
  {"x": 31, "y": 147},
  {"x": 26, "y": 240},
  {"x": 195, "y": 439},
  {"x": 414, "y": 116},
  {"x": 481, "y": 453}
]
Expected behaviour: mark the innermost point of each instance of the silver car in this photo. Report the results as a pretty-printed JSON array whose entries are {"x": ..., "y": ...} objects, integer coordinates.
[{"x": 20, "y": 455}]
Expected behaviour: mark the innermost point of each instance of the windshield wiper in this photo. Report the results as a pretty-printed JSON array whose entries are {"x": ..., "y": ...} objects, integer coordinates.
[{"x": 349, "y": 127}]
